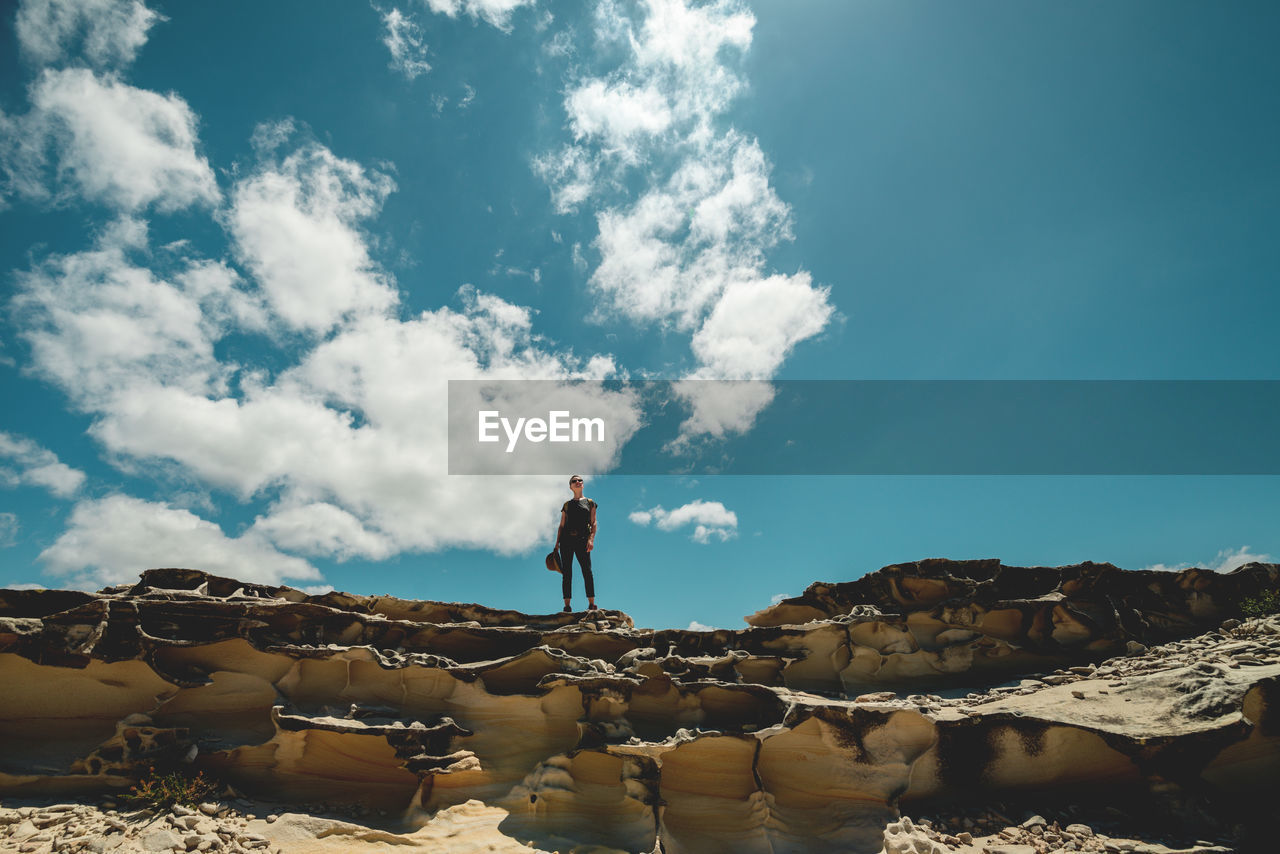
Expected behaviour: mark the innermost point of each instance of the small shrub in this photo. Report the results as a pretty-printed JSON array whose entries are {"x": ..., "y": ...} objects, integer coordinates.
[
  {"x": 161, "y": 791},
  {"x": 1266, "y": 602}
]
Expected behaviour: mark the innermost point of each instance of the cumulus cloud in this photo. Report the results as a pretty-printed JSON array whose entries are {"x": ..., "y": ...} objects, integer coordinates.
[
  {"x": 695, "y": 626},
  {"x": 23, "y": 461},
  {"x": 403, "y": 37},
  {"x": 104, "y": 32},
  {"x": 324, "y": 530},
  {"x": 1225, "y": 561},
  {"x": 495, "y": 12},
  {"x": 112, "y": 143},
  {"x": 756, "y": 323},
  {"x": 111, "y": 540},
  {"x": 690, "y": 249},
  {"x": 357, "y": 425},
  {"x": 711, "y": 520},
  {"x": 617, "y": 113},
  {"x": 296, "y": 226},
  {"x": 347, "y": 440},
  {"x": 99, "y": 325}
]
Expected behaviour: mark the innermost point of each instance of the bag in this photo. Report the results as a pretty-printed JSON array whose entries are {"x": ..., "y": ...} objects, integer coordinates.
[{"x": 553, "y": 562}]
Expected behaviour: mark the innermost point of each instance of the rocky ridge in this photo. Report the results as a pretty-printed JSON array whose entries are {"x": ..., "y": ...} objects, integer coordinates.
[{"x": 567, "y": 731}]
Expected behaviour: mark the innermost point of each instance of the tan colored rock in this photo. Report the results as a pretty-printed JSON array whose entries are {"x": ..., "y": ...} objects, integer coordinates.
[{"x": 473, "y": 724}]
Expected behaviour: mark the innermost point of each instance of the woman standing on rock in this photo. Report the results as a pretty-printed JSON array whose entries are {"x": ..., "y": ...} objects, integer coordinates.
[{"x": 577, "y": 536}]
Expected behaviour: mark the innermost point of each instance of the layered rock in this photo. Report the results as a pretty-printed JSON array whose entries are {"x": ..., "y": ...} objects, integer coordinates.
[
  {"x": 957, "y": 622},
  {"x": 584, "y": 730}
]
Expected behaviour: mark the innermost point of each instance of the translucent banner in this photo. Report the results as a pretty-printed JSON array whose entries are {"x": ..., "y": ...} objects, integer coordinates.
[{"x": 807, "y": 427}]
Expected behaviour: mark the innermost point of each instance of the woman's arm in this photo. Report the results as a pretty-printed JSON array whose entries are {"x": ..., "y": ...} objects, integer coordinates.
[
  {"x": 560, "y": 530},
  {"x": 591, "y": 529}
]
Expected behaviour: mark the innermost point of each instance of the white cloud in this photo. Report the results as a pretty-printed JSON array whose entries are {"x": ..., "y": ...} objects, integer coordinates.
[
  {"x": 112, "y": 540},
  {"x": 1225, "y": 561},
  {"x": 778, "y": 597},
  {"x": 495, "y": 12},
  {"x": 755, "y": 325},
  {"x": 323, "y": 529},
  {"x": 560, "y": 44},
  {"x": 617, "y": 113},
  {"x": 295, "y": 226},
  {"x": 1228, "y": 560},
  {"x": 690, "y": 250},
  {"x": 695, "y": 626},
  {"x": 106, "y": 31},
  {"x": 9, "y": 526},
  {"x": 711, "y": 520},
  {"x": 403, "y": 37},
  {"x": 22, "y": 158},
  {"x": 99, "y": 326},
  {"x": 718, "y": 408},
  {"x": 37, "y": 466},
  {"x": 115, "y": 143},
  {"x": 572, "y": 175},
  {"x": 358, "y": 425},
  {"x": 347, "y": 442},
  {"x": 706, "y": 533}
]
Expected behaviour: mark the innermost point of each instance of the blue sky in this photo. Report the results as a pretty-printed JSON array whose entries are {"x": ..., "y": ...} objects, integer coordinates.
[{"x": 245, "y": 246}]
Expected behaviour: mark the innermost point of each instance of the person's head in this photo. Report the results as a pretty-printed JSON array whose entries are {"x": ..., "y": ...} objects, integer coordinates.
[{"x": 575, "y": 482}]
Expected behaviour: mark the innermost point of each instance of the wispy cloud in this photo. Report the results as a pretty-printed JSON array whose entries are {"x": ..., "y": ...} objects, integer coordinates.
[
  {"x": 23, "y": 461},
  {"x": 1225, "y": 561},
  {"x": 495, "y": 12},
  {"x": 104, "y": 32},
  {"x": 690, "y": 249},
  {"x": 9, "y": 527},
  {"x": 403, "y": 37}
]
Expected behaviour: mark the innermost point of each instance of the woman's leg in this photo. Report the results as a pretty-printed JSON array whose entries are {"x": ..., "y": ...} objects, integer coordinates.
[
  {"x": 584, "y": 560},
  {"x": 566, "y": 571}
]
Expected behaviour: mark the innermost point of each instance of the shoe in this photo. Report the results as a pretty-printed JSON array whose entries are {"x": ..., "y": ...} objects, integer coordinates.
[
  {"x": 567, "y": 609},
  {"x": 592, "y": 608}
]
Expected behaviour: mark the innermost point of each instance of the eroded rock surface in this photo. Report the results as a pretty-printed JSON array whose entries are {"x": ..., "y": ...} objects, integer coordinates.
[{"x": 813, "y": 730}]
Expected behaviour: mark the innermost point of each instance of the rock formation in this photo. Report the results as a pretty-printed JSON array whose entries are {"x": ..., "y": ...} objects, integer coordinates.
[{"x": 826, "y": 721}]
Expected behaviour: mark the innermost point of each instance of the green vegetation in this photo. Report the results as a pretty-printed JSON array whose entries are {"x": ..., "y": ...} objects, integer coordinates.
[
  {"x": 1267, "y": 602},
  {"x": 161, "y": 791}
]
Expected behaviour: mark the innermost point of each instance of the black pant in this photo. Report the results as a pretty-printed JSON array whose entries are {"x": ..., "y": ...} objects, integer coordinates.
[{"x": 569, "y": 548}]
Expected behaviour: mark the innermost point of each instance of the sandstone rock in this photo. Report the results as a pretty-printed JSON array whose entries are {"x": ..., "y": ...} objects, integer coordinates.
[
  {"x": 760, "y": 739},
  {"x": 162, "y": 841},
  {"x": 23, "y": 830}
]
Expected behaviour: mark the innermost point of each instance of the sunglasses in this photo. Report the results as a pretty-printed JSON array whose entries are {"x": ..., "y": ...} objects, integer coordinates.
[{"x": 576, "y": 480}]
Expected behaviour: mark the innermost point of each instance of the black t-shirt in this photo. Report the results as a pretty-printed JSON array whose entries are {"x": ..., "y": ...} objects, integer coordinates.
[{"x": 577, "y": 516}]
